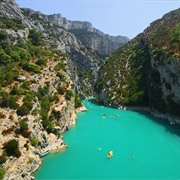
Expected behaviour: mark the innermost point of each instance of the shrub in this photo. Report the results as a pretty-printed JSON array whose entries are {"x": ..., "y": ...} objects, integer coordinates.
[
  {"x": 26, "y": 133},
  {"x": 41, "y": 62},
  {"x": 23, "y": 125},
  {"x": 2, "y": 115},
  {"x": 61, "y": 90},
  {"x": 34, "y": 141},
  {"x": 42, "y": 91},
  {"x": 4, "y": 58},
  {"x": 8, "y": 101},
  {"x": 3, "y": 157},
  {"x": 25, "y": 85},
  {"x": 69, "y": 94},
  {"x": 12, "y": 147},
  {"x": 17, "y": 153},
  {"x": 77, "y": 101},
  {"x": 23, "y": 110},
  {"x": 59, "y": 66},
  {"x": 61, "y": 76},
  {"x": 35, "y": 37},
  {"x": 30, "y": 67},
  {"x": 28, "y": 104},
  {"x": 31, "y": 159},
  {"x": 16, "y": 91},
  {"x": 2, "y": 173}
]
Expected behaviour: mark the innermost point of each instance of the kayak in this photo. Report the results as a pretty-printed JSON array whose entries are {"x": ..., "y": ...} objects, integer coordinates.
[{"x": 110, "y": 154}]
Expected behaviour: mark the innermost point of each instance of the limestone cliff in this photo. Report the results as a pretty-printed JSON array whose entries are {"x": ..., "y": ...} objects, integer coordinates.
[
  {"x": 86, "y": 53},
  {"x": 88, "y": 35},
  {"x": 37, "y": 94},
  {"x": 145, "y": 71}
]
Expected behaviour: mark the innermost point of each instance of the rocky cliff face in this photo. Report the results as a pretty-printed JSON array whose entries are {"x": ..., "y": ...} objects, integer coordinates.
[
  {"x": 86, "y": 46},
  {"x": 88, "y": 35},
  {"x": 37, "y": 93},
  {"x": 145, "y": 72}
]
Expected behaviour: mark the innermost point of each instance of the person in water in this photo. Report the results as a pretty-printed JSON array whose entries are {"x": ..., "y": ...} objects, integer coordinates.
[{"x": 132, "y": 155}]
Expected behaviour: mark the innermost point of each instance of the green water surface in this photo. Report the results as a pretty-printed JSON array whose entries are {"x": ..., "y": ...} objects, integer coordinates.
[{"x": 154, "y": 144}]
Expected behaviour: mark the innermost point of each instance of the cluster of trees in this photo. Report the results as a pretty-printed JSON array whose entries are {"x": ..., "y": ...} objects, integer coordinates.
[
  {"x": 14, "y": 24},
  {"x": 13, "y": 57}
]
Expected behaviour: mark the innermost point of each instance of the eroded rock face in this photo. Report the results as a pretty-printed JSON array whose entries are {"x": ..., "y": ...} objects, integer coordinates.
[
  {"x": 10, "y": 9},
  {"x": 86, "y": 45},
  {"x": 88, "y": 35}
]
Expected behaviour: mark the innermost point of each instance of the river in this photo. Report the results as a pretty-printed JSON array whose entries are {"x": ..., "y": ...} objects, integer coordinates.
[{"x": 143, "y": 147}]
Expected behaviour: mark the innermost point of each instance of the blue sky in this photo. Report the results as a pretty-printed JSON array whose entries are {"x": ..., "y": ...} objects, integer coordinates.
[{"x": 113, "y": 17}]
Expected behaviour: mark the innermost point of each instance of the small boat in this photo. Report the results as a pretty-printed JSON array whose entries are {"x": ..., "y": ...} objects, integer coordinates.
[
  {"x": 46, "y": 152},
  {"x": 172, "y": 122},
  {"x": 110, "y": 154}
]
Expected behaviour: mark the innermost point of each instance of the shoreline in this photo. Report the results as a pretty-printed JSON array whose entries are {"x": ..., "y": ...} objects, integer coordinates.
[
  {"x": 155, "y": 113},
  {"x": 171, "y": 118},
  {"x": 58, "y": 145}
]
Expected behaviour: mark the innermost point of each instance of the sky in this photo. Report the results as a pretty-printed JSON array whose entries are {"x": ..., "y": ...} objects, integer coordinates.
[{"x": 113, "y": 17}]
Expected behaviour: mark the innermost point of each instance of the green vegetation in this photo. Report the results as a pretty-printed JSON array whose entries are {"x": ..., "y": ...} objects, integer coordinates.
[
  {"x": 61, "y": 90},
  {"x": 30, "y": 67},
  {"x": 41, "y": 62},
  {"x": 8, "y": 100},
  {"x": 17, "y": 91},
  {"x": 35, "y": 37},
  {"x": 61, "y": 76},
  {"x": 2, "y": 173},
  {"x": 25, "y": 108},
  {"x": 13, "y": 57},
  {"x": 11, "y": 147},
  {"x": 23, "y": 125},
  {"x": 77, "y": 101},
  {"x": 59, "y": 66},
  {"x": 3, "y": 157},
  {"x": 124, "y": 75},
  {"x": 68, "y": 94},
  {"x": 30, "y": 160},
  {"x": 86, "y": 75},
  {"x": 14, "y": 24},
  {"x": 130, "y": 76},
  {"x": 34, "y": 141}
]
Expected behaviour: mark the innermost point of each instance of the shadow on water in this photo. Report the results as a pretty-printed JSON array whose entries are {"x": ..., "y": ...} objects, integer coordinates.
[{"x": 172, "y": 128}]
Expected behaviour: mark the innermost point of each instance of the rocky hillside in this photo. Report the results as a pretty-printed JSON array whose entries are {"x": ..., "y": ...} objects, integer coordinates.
[
  {"x": 145, "y": 71},
  {"x": 37, "y": 94},
  {"x": 86, "y": 46}
]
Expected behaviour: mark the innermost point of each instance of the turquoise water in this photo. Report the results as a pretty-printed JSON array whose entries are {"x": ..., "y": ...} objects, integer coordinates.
[{"x": 154, "y": 143}]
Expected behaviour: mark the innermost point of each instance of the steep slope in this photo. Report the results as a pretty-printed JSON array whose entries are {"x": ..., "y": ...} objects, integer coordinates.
[
  {"x": 37, "y": 94},
  {"x": 145, "y": 71},
  {"x": 86, "y": 55}
]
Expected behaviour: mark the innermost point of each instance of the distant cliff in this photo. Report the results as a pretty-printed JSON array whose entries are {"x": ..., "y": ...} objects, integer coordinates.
[
  {"x": 145, "y": 71},
  {"x": 88, "y": 35}
]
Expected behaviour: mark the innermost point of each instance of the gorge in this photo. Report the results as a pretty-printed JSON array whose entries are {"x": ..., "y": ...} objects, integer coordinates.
[{"x": 48, "y": 64}]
